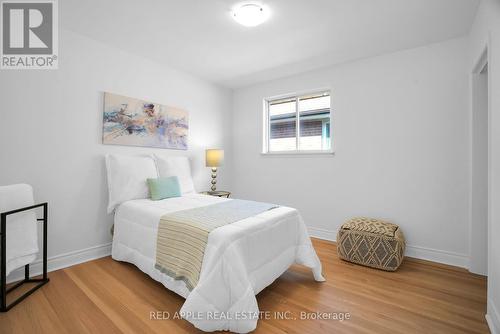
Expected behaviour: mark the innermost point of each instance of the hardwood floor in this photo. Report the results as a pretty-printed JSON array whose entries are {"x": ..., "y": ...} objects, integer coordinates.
[{"x": 105, "y": 296}]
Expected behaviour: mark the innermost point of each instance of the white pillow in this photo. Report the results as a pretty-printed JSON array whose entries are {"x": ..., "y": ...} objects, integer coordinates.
[
  {"x": 127, "y": 177},
  {"x": 176, "y": 166}
]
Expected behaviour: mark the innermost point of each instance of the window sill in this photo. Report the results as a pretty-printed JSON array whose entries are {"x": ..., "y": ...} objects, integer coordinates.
[{"x": 298, "y": 153}]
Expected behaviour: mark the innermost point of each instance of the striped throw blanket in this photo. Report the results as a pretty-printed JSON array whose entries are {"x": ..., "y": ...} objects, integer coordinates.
[{"x": 183, "y": 235}]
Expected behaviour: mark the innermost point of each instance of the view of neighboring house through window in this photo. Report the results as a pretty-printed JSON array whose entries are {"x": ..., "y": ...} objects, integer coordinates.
[{"x": 299, "y": 123}]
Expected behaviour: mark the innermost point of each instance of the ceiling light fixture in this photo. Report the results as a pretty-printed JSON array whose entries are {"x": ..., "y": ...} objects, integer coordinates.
[{"x": 250, "y": 14}]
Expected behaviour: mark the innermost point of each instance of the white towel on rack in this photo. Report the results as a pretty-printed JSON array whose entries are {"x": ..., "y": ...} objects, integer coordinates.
[{"x": 22, "y": 231}]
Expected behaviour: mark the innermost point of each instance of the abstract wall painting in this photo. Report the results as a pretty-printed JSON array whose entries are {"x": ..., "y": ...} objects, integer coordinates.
[{"x": 133, "y": 122}]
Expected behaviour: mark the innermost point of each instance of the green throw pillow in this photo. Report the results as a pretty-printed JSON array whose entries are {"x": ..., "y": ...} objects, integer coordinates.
[{"x": 164, "y": 187}]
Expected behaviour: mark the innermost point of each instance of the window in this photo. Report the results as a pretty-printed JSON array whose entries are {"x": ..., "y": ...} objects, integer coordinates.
[{"x": 300, "y": 123}]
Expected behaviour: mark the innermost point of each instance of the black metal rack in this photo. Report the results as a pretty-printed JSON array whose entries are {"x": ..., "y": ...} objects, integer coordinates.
[{"x": 3, "y": 262}]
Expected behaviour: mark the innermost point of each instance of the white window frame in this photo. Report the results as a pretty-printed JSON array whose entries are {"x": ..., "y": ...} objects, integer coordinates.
[{"x": 267, "y": 124}]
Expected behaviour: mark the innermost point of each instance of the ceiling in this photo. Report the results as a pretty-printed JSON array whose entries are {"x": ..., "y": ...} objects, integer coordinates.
[{"x": 200, "y": 36}]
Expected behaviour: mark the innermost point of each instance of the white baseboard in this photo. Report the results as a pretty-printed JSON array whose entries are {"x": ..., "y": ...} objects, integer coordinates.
[
  {"x": 92, "y": 253},
  {"x": 429, "y": 254},
  {"x": 436, "y": 255},
  {"x": 321, "y": 233},
  {"x": 63, "y": 261},
  {"x": 493, "y": 318}
]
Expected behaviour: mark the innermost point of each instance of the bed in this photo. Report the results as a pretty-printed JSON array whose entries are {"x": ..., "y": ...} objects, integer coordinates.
[{"x": 240, "y": 259}]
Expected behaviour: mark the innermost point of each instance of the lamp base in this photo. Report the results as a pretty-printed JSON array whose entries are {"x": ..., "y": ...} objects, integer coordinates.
[{"x": 214, "y": 179}]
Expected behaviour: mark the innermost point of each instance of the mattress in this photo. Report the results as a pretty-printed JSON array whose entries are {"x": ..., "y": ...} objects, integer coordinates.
[{"x": 240, "y": 259}]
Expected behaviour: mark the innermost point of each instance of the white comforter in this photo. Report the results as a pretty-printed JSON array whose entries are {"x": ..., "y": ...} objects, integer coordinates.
[{"x": 240, "y": 260}]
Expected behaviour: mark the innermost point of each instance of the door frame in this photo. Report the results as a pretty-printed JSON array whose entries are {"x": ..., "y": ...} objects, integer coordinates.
[{"x": 481, "y": 61}]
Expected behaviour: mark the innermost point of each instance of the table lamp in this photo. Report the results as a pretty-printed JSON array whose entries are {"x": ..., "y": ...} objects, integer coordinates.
[{"x": 214, "y": 158}]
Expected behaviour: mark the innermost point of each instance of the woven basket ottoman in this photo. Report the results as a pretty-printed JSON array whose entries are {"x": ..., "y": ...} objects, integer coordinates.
[{"x": 371, "y": 242}]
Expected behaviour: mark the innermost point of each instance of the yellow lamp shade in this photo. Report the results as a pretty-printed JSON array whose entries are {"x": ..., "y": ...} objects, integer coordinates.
[{"x": 214, "y": 157}]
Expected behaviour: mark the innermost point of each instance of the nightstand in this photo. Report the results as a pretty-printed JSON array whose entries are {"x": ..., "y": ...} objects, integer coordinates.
[{"x": 218, "y": 193}]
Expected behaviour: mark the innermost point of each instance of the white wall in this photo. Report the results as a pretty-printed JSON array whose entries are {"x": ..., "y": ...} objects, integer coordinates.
[
  {"x": 402, "y": 149},
  {"x": 486, "y": 31},
  {"x": 52, "y": 124}
]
